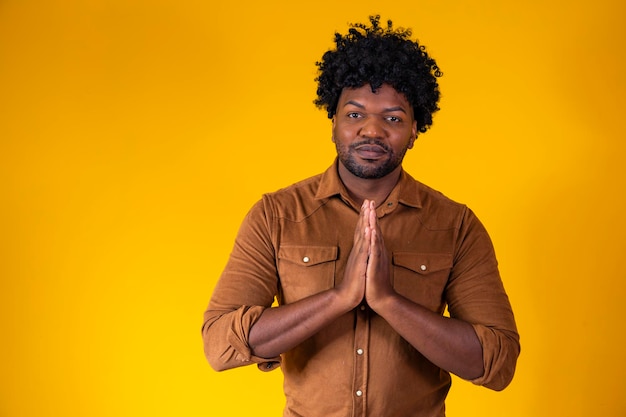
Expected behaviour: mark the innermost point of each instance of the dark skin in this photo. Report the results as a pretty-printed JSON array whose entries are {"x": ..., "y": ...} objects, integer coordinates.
[{"x": 383, "y": 120}]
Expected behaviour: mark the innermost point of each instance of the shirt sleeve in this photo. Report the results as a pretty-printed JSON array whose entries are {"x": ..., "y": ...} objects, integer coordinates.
[
  {"x": 245, "y": 289},
  {"x": 475, "y": 294}
]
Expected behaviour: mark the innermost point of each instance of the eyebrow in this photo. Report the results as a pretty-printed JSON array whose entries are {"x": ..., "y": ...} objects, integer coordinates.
[{"x": 385, "y": 110}]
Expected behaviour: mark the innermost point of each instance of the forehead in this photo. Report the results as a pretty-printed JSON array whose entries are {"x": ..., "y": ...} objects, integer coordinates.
[{"x": 384, "y": 97}]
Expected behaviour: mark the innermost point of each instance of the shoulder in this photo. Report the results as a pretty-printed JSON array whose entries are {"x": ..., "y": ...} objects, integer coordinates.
[
  {"x": 436, "y": 210},
  {"x": 294, "y": 202}
]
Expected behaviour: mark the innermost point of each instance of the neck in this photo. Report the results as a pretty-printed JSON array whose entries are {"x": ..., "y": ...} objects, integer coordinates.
[{"x": 376, "y": 189}]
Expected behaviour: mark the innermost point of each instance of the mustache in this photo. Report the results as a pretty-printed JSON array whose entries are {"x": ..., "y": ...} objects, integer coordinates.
[{"x": 371, "y": 142}]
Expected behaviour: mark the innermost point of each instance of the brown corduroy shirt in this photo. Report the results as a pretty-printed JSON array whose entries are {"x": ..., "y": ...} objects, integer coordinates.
[{"x": 295, "y": 243}]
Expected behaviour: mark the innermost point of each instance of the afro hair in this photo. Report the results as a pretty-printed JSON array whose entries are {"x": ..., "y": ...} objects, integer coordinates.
[{"x": 371, "y": 54}]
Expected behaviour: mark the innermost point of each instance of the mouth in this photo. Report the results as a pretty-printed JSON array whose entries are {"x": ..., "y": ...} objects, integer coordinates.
[{"x": 370, "y": 151}]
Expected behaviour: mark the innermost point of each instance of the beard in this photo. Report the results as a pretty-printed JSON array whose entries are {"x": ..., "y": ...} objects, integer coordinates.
[{"x": 374, "y": 169}]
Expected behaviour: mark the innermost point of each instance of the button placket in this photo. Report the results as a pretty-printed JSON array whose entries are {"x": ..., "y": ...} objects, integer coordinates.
[{"x": 361, "y": 342}]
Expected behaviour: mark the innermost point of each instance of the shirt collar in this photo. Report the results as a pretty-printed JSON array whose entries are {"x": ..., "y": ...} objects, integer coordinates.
[
  {"x": 330, "y": 184},
  {"x": 406, "y": 192}
]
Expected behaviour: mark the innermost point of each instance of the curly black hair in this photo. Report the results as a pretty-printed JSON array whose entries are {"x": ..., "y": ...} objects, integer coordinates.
[{"x": 375, "y": 55}]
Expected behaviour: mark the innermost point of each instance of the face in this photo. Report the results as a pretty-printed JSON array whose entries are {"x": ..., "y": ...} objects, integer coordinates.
[{"x": 373, "y": 131}]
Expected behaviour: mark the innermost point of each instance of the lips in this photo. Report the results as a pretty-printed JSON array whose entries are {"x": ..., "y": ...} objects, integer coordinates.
[{"x": 370, "y": 151}]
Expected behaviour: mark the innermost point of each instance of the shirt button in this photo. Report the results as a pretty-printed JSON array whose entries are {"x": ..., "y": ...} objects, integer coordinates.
[
  {"x": 306, "y": 259},
  {"x": 423, "y": 267},
  {"x": 359, "y": 393},
  {"x": 359, "y": 351},
  {"x": 362, "y": 308}
]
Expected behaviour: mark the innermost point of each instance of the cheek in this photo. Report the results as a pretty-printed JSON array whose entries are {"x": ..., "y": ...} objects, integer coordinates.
[{"x": 344, "y": 132}]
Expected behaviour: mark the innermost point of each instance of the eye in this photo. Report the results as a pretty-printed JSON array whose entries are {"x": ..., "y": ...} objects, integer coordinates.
[
  {"x": 353, "y": 115},
  {"x": 394, "y": 119}
]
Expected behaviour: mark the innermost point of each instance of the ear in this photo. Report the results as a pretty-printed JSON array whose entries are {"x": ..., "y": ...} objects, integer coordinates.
[
  {"x": 413, "y": 134},
  {"x": 332, "y": 135}
]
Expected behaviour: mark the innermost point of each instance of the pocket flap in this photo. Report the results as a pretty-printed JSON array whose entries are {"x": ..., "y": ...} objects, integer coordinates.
[
  {"x": 423, "y": 263},
  {"x": 307, "y": 255}
]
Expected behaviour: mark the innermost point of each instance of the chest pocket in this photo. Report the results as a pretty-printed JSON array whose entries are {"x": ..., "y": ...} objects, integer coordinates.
[
  {"x": 422, "y": 277},
  {"x": 305, "y": 270}
]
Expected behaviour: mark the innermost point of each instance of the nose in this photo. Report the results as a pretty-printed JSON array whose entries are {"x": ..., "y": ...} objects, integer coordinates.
[{"x": 372, "y": 128}]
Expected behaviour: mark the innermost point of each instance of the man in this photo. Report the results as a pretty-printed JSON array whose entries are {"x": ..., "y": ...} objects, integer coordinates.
[{"x": 363, "y": 259}]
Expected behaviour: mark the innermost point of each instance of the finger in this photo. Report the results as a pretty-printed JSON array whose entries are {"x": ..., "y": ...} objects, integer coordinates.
[
  {"x": 362, "y": 222},
  {"x": 374, "y": 246},
  {"x": 362, "y": 236},
  {"x": 374, "y": 255},
  {"x": 372, "y": 219}
]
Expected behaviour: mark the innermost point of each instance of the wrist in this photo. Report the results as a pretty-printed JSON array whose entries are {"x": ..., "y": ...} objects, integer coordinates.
[
  {"x": 383, "y": 302},
  {"x": 343, "y": 299}
]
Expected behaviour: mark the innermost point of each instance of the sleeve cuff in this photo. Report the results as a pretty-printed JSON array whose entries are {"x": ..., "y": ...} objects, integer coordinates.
[{"x": 238, "y": 339}]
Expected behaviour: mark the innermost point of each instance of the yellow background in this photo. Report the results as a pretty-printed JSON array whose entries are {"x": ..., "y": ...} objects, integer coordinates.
[{"x": 134, "y": 136}]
